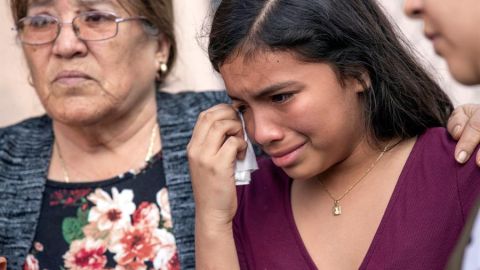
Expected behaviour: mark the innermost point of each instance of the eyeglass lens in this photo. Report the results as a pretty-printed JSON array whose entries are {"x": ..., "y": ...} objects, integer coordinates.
[{"x": 91, "y": 26}]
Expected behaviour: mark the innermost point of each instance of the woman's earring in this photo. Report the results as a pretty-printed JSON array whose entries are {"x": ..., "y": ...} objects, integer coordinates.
[
  {"x": 163, "y": 67},
  {"x": 162, "y": 71}
]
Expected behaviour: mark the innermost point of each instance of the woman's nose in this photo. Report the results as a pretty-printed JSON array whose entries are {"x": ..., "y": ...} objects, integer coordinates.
[
  {"x": 67, "y": 44},
  {"x": 413, "y": 8}
]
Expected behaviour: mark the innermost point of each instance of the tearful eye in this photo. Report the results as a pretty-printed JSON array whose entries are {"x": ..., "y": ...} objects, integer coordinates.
[{"x": 281, "y": 98}]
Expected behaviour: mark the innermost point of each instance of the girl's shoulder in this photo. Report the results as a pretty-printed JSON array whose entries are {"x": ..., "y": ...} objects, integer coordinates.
[{"x": 435, "y": 146}]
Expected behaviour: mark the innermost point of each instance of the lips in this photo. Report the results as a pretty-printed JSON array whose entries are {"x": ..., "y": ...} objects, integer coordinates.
[
  {"x": 286, "y": 157},
  {"x": 71, "y": 77},
  {"x": 431, "y": 36},
  {"x": 435, "y": 38}
]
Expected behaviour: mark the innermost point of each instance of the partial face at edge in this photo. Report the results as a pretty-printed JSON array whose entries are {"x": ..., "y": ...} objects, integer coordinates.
[
  {"x": 452, "y": 26},
  {"x": 298, "y": 112}
]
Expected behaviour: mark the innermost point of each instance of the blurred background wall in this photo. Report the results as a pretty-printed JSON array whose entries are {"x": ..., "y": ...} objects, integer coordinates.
[{"x": 192, "y": 71}]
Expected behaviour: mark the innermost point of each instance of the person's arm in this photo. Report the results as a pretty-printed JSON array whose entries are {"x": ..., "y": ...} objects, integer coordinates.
[
  {"x": 214, "y": 245},
  {"x": 217, "y": 141},
  {"x": 464, "y": 126},
  {"x": 3, "y": 263}
]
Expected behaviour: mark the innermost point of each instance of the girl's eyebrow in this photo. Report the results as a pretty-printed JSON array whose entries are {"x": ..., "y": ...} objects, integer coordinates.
[
  {"x": 274, "y": 88},
  {"x": 270, "y": 89}
]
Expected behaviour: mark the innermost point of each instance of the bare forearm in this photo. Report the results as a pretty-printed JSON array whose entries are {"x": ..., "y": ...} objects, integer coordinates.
[{"x": 214, "y": 246}]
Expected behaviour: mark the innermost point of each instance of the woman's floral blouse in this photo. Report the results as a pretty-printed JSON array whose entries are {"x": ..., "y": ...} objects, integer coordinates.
[{"x": 122, "y": 223}]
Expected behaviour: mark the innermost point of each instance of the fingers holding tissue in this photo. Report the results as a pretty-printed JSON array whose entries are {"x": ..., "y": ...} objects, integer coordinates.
[
  {"x": 245, "y": 167},
  {"x": 218, "y": 142}
]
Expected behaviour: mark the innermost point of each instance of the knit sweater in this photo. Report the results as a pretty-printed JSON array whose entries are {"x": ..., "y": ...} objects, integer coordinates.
[{"x": 25, "y": 152}]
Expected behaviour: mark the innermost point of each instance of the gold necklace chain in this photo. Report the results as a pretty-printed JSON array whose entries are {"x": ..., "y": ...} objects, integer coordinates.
[
  {"x": 337, "y": 208},
  {"x": 148, "y": 156}
]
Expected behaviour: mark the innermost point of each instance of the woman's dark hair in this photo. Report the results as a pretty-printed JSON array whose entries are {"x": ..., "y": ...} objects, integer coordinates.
[{"x": 355, "y": 38}]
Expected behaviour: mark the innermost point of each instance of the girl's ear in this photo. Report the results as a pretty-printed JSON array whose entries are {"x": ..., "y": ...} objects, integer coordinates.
[
  {"x": 361, "y": 85},
  {"x": 365, "y": 83}
]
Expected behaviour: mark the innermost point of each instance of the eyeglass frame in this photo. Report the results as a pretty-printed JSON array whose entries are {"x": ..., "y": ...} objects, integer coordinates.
[{"x": 60, "y": 25}]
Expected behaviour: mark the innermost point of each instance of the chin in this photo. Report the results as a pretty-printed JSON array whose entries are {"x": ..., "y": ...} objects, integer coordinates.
[
  {"x": 77, "y": 115},
  {"x": 466, "y": 79},
  {"x": 77, "y": 120},
  {"x": 464, "y": 73},
  {"x": 299, "y": 174}
]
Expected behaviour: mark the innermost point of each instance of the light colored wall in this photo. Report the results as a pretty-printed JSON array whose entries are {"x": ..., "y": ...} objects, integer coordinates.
[
  {"x": 193, "y": 71},
  {"x": 17, "y": 98}
]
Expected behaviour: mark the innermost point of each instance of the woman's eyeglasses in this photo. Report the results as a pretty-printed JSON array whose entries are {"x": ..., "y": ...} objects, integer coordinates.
[{"x": 88, "y": 26}]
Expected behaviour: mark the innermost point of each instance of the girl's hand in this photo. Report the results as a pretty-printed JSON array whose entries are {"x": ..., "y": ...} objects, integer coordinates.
[{"x": 217, "y": 141}]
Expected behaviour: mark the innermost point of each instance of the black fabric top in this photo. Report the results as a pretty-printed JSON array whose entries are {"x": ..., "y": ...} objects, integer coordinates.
[{"x": 122, "y": 221}]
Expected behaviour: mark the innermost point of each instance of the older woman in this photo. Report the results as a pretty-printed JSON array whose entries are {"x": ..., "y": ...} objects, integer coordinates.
[{"x": 85, "y": 187}]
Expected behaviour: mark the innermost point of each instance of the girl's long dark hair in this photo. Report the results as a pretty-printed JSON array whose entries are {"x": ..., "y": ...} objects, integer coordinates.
[{"x": 355, "y": 38}]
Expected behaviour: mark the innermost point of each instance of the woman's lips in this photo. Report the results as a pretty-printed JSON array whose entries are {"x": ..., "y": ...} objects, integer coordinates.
[
  {"x": 71, "y": 78},
  {"x": 287, "y": 158}
]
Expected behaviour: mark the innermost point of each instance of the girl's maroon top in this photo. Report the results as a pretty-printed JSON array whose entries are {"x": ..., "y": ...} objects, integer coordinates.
[{"x": 419, "y": 228}]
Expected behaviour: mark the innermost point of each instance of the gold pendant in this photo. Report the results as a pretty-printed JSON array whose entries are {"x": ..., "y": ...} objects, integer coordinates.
[{"x": 337, "y": 209}]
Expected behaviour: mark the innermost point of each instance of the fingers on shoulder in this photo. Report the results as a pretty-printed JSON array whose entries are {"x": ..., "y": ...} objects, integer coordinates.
[{"x": 457, "y": 122}]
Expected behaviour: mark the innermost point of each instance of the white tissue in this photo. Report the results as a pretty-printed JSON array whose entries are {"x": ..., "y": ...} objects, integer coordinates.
[{"x": 245, "y": 167}]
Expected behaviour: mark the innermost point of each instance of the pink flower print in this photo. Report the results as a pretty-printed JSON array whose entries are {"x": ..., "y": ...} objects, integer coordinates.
[
  {"x": 136, "y": 265},
  {"x": 91, "y": 230},
  {"x": 68, "y": 197},
  {"x": 174, "y": 263},
  {"x": 86, "y": 254},
  {"x": 163, "y": 202},
  {"x": 147, "y": 214},
  {"x": 166, "y": 256},
  {"x": 31, "y": 263},
  {"x": 111, "y": 213},
  {"x": 134, "y": 243}
]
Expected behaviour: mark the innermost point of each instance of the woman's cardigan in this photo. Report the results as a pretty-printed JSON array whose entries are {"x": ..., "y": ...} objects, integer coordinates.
[{"x": 25, "y": 153}]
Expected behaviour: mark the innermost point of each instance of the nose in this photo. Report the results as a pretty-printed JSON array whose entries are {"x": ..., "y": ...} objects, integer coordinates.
[
  {"x": 266, "y": 130},
  {"x": 413, "y": 8},
  {"x": 68, "y": 45}
]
